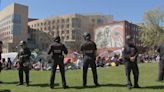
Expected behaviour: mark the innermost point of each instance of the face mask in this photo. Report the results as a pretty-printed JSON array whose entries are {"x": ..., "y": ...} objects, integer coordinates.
[{"x": 87, "y": 38}]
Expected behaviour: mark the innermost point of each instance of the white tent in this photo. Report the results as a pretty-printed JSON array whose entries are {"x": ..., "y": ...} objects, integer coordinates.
[{"x": 11, "y": 55}]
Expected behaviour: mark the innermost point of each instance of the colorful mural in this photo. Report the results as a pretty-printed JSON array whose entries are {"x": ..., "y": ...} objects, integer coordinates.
[{"x": 109, "y": 36}]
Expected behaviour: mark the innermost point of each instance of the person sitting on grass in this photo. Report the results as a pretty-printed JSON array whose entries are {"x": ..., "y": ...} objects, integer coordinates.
[
  {"x": 100, "y": 62},
  {"x": 115, "y": 59}
]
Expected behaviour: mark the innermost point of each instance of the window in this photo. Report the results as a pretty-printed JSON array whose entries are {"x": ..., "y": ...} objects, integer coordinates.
[
  {"x": 67, "y": 25},
  {"x": 73, "y": 34},
  {"x": 53, "y": 27},
  {"x": 78, "y": 25},
  {"x": 57, "y": 32},
  {"x": 63, "y": 21},
  {"x": 16, "y": 18},
  {"x": 49, "y": 28},
  {"x": 62, "y": 26},
  {"x": 76, "y": 22},
  {"x": 48, "y": 22},
  {"x": 58, "y": 21},
  {"x": 62, "y": 32},
  {"x": 67, "y": 37},
  {"x": 99, "y": 21},
  {"x": 67, "y": 31},
  {"x": 57, "y": 27},
  {"x": 16, "y": 29},
  {"x": 53, "y": 21},
  {"x": 93, "y": 20},
  {"x": 62, "y": 37},
  {"x": 67, "y": 20}
]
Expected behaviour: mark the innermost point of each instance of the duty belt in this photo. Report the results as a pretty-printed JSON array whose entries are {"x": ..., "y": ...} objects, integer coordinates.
[
  {"x": 88, "y": 51},
  {"x": 57, "y": 51}
]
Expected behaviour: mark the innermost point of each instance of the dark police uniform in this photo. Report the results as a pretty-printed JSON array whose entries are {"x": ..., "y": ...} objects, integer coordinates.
[
  {"x": 24, "y": 64},
  {"x": 161, "y": 63},
  {"x": 89, "y": 55},
  {"x": 57, "y": 49},
  {"x": 1, "y": 43},
  {"x": 131, "y": 65}
]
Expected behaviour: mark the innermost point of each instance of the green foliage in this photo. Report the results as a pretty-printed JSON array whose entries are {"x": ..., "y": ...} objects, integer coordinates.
[{"x": 152, "y": 33}]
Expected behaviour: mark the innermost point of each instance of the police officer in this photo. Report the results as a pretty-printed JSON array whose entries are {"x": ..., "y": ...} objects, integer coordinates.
[
  {"x": 1, "y": 43},
  {"x": 88, "y": 49},
  {"x": 24, "y": 62},
  {"x": 161, "y": 63},
  {"x": 56, "y": 50},
  {"x": 130, "y": 54}
]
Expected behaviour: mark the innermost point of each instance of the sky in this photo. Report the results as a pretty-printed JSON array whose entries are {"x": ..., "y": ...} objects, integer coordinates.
[{"x": 131, "y": 10}]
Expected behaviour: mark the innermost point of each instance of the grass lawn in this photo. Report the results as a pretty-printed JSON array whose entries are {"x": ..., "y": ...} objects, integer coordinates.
[{"x": 112, "y": 79}]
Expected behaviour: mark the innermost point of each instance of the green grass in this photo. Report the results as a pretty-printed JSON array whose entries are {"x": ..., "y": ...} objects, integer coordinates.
[{"x": 112, "y": 80}]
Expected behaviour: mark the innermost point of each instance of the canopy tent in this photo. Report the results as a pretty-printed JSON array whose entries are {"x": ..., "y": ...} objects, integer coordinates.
[{"x": 11, "y": 55}]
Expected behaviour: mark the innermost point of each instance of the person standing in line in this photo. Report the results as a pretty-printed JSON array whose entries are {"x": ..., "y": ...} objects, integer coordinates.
[
  {"x": 1, "y": 43},
  {"x": 161, "y": 63},
  {"x": 56, "y": 49},
  {"x": 130, "y": 54},
  {"x": 88, "y": 48},
  {"x": 24, "y": 62}
]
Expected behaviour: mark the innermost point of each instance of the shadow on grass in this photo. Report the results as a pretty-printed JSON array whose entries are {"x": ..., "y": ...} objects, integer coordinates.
[
  {"x": 113, "y": 85},
  {"x": 153, "y": 87},
  {"x": 15, "y": 82},
  {"x": 42, "y": 85},
  {"x": 102, "y": 85},
  {"x": 4, "y": 90}
]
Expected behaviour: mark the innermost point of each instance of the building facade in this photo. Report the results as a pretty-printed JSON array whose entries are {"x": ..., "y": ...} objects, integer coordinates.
[
  {"x": 13, "y": 26},
  {"x": 113, "y": 35},
  {"x": 69, "y": 27}
]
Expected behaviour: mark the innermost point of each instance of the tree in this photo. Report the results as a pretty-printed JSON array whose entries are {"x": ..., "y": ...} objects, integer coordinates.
[{"x": 152, "y": 33}]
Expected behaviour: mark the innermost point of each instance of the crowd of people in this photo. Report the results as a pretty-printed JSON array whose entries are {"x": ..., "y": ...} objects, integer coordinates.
[
  {"x": 116, "y": 60},
  {"x": 145, "y": 58},
  {"x": 6, "y": 64}
]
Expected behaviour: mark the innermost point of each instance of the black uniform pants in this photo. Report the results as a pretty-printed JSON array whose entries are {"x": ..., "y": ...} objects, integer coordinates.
[
  {"x": 161, "y": 70},
  {"x": 58, "y": 61},
  {"x": 20, "y": 72},
  {"x": 129, "y": 66},
  {"x": 89, "y": 61},
  {"x": 0, "y": 56}
]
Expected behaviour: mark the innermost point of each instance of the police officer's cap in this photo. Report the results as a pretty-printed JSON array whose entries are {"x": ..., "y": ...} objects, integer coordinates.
[
  {"x": 22, "y": 43},
  {"x": 56, "y": 38},
  {"x": 87, "y": 34}
]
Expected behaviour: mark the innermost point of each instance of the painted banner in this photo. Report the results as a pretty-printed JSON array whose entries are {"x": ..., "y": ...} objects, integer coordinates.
[{"x": 109, "y": 36}]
